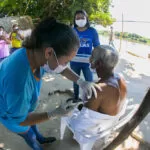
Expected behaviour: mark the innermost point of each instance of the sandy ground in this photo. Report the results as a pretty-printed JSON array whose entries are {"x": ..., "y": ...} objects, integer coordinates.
[{"x": 137, "y": 75}]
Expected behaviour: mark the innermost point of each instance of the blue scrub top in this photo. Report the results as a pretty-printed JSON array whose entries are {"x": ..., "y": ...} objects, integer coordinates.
[
  {"x": 88, "y": 39},
  {"x": 19, "y": 90}
]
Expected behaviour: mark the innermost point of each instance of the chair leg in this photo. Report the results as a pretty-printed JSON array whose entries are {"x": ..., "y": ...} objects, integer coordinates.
[
  {"x": 87, "y": 146},
  {"x": 62, "y": 127}
]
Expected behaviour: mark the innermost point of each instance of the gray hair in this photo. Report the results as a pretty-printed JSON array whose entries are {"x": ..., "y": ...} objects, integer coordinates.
[{"x": 108, "y": 55}]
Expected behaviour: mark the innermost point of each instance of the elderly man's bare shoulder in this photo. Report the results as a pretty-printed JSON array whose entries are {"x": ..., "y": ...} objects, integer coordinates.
[
  {"x": 109, "y": 91},
  {"x": 109, "y": 99},
  {"x": 107, "y": 95}
]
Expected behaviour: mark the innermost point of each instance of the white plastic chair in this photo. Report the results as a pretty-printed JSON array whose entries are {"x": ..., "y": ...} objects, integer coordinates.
[{"x": 103, "y": 135}]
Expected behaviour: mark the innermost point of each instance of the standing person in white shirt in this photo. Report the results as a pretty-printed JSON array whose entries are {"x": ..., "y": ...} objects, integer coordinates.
[{"x": 111, "y": 37}]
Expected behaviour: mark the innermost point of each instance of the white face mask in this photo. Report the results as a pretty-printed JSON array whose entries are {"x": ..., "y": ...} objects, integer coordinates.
[
  {"x": 92, "y": 70},
  {"x": 16, "y": 28},
  {"x": 81, "y": 23},
  {"x": 1, "y": 33},
  {"x": 57, "y": 70}
]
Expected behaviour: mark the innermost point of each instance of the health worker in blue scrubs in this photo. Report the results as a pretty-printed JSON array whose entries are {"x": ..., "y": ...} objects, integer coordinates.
[
  {"x": 89, "y": 40},
  {"x": 49, "y": 49}
]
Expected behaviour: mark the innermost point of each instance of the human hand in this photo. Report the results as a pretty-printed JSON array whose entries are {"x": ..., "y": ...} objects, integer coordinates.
[
  {"x": 88, "y": 88},
  {"x": 18, "y": 32},
  {"x": 58, "y": 112},
  {"x": 19, "y": 35},
  {"x": 2, "y": 37}
]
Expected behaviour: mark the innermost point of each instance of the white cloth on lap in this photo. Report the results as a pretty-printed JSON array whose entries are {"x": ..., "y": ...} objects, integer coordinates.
[{"x": 89, "y": 123}]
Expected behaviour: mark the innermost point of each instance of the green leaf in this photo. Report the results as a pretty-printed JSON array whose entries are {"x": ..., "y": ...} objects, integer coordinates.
[{"x": 97, "y": 10}]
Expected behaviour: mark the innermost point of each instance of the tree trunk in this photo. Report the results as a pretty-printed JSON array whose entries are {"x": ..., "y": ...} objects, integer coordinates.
[{"x": 137, "y": 118}]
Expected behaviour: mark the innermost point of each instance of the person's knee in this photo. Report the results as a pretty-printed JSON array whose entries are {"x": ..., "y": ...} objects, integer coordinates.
[{"x": 29, "y": 135}]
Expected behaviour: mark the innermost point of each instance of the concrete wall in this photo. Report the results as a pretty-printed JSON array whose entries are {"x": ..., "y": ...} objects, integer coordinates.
[{"x": 25, "y": 22}]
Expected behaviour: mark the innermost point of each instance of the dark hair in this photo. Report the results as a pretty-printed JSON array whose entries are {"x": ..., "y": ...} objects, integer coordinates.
[
  {"x": 2, "y": 27},
  {"x": 15, "y": 25},
  {"x": 85, "y": 14},
  {"x": 50, "y": 33}
]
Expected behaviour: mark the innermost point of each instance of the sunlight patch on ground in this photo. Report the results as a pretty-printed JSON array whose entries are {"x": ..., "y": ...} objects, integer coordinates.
[
  {"x": 141, "y": 67},
  {"x": 129, "y": 144},
  {"x": 131, "y": 99},
  {"x": 137, "y": 130},
  {"x": 44, "y": 106},
  {"x": 137, "y": 66},
  {"x": 64, "y": 78},
  {"x": 1, "y": 145},
  {"x": 131, "y": 73},
  {"x": 48, "y": 78}
]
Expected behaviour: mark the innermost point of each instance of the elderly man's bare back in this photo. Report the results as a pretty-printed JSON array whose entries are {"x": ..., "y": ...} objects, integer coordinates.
[{"x": 111, "y": 99}]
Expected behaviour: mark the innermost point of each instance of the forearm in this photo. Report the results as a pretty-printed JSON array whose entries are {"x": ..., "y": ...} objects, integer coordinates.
[
  {"x": 7, "y": 41},
  {"x": 70, "y": 74},
  {"x": 35, "y": 118},
  {"x": 21, "y": 36}
]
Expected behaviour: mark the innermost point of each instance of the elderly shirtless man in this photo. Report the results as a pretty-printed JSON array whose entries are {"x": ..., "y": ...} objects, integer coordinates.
[
  {"x": 101, "y": 112},
  {"x": 113, "y": 86}
]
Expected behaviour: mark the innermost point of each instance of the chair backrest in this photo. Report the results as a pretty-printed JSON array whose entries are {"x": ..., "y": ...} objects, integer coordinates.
[
  {"x": 115, "y": 120},
  {"x": 125, "y": 118},
  {"x": 102, "y": 123},
  {"x": 87, "y": 139}
]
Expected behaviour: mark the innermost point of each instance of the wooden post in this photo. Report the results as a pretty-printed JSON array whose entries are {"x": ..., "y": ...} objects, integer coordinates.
[{"x": 137, "y": 118}]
